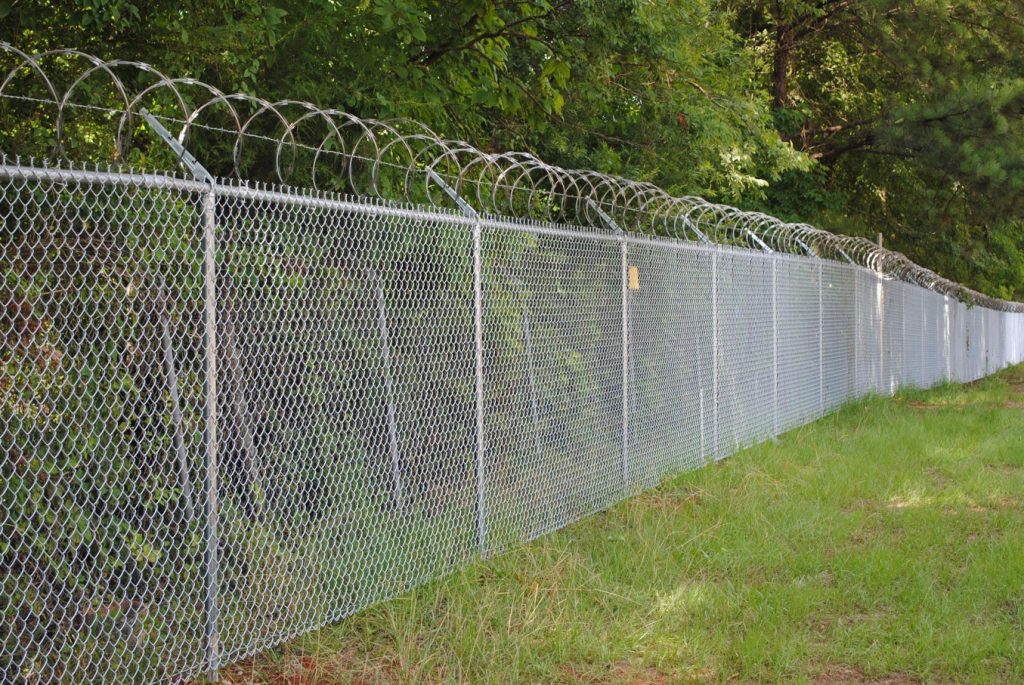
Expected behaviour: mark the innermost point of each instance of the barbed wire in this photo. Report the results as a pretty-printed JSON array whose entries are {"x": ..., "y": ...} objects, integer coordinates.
[{"x": 402, "y": 159}]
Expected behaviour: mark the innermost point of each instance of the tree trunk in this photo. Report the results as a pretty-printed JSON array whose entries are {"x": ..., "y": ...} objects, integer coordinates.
[{"x": 780, "y": 67}]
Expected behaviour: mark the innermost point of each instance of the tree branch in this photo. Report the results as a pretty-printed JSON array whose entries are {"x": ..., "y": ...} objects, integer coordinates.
[{"x": 432, "y": 55}]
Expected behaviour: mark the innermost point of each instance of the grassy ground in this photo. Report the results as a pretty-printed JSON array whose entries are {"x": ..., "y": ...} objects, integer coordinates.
[{"x": 883, "y": 544}]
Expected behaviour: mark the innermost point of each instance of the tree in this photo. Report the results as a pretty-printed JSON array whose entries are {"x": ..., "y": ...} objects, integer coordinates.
[{"x": 913, "y": 112}]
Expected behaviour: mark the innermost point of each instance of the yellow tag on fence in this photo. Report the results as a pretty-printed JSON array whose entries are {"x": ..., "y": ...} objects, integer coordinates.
[{"x": 634, "y": 278}]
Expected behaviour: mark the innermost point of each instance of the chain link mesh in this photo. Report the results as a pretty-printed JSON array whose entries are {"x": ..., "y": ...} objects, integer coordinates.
[
  {"x": 102, "y": 406},
  {"x": 234, "y": 415}
]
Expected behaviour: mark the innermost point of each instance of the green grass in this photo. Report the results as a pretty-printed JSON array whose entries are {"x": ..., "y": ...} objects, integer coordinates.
[{"x": 882, "y": 544}]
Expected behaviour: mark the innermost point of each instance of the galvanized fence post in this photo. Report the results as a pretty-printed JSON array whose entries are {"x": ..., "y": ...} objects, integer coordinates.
[
  {"x": 903, "y": 335},
  {"x": 625, "y": 360},
  {"x": 212, "y": 627},
  {"x": 478, "y": 347},
  {"x": 947, "y": 356},
  {"x": 714, "y": 352},
  {"x": 624, "y": 276},
  {"x": 211, "y": 557},
  {"x": 925, "y": 376},
  {"x": 775, "y": 345},
  {"x": 855, "y": 387},
  {"x": 880, "y": 306},
  {"x": 478, "y": 354},
  {"x": 821, "y": 340}
]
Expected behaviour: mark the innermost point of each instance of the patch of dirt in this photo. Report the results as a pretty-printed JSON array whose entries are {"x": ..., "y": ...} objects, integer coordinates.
[
  {"x": 938, "y": 476},
  {"x": 862, "y": 538},
  {"x": 842, "y": 674},
  {"x": 389, "y": 670},
  {"x": 996, "y": 504},
  {"x": 670, "y": 500},
  {"x": 917, "y": 404},
  {"x": 244, "y": 673},
  {"x": 329, "y": 669},
  {"x": 292, "y": 670},
  {"x": 824, "y": 624},
  {"x": 296, "y": 671},
  {"x": 859, "y": 504},
  {"x": 1006, "y": 468},
  {"x": 624, "y": 673},
  {"x": 1008, "y": 404}
]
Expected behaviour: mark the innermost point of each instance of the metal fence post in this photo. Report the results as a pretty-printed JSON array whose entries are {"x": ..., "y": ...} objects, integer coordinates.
[
  {"x": 855, "y": 386},
  {"x": 714, "y": 352},
  {"x": 925, "y": 376},
  {"x": 880, "y": 306},
  {"x": 212, "y": 628},
  {"x": 625, "y": 361},
  {"x": 211, "y": 558},
  {"x": 947, "y": 366},
  {"x": 775, "y": 346},
  {"x": 624, "y": 268},
  {"x": 903, "y": 335},
  {"x": 478, "y": 354},
  {"x": 478, "y": 346},
  {"x": 821, "y": 341}
]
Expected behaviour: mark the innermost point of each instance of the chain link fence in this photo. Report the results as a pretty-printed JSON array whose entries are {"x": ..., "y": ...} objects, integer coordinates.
[{"x": 233, "y": 415}]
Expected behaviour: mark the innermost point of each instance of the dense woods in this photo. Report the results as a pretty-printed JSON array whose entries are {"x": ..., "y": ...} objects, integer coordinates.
[{"x": 862, "y": 116}]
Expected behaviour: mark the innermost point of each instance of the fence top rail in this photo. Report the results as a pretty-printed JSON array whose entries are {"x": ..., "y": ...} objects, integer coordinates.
[{"x": 300, "y": 144}]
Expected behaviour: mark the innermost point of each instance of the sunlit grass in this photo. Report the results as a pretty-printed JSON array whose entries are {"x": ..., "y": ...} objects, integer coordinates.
[{"x": 884, "y": 543}]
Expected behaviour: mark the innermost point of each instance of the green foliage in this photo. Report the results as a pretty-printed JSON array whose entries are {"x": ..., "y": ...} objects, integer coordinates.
[{"x": 915, "y": 114}]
